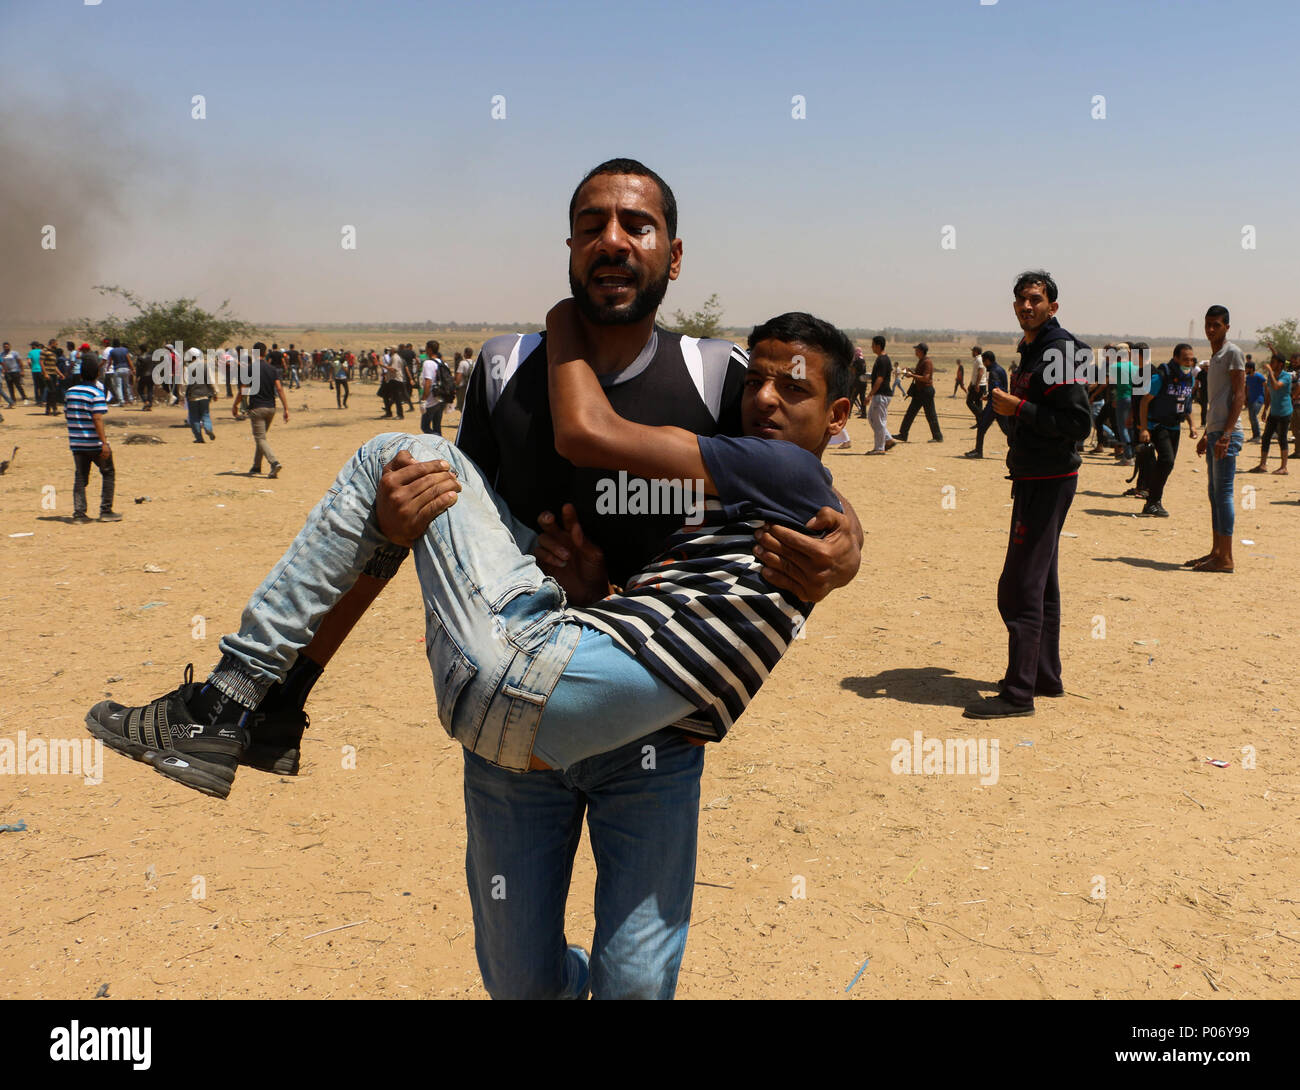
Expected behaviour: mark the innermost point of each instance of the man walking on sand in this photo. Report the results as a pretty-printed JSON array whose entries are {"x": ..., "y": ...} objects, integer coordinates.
[
  {"x": 921, "y": 395},
  {"x": 879, "y": 396},
  {"x": 86, "y": 405},
  {"x": 1224, "y": 382},
  {"x": 262, "y": 390}
]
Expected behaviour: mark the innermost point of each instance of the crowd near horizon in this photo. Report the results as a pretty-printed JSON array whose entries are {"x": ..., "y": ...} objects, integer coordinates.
[{"x": 193, "y": 380}]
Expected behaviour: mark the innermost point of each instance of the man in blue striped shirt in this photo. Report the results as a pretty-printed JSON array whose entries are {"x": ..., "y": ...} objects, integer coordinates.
[{"x": 85, "y": 406}]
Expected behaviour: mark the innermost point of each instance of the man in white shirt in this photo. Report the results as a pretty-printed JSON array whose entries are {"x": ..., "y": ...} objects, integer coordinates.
[{"x": 433, "y": 384}]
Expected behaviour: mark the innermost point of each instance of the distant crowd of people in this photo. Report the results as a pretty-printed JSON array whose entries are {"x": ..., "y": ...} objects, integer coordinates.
[
  {"x": 81, "y": 382},
  {"x": 1140, "y": 431}
]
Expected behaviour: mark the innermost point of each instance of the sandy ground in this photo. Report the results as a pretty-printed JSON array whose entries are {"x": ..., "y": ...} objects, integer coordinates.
[{"x": 814, "y": 855}]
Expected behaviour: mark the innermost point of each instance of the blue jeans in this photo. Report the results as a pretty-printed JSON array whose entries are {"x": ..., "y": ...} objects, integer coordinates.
[
  {"x": 1254, "y": 408},
  {"x": 496, "y": 635},
  {"x": 200, "y": 420},
  {"x": 1221, "y": 473},
  {"x": 523, "y": 833},
  {"x": 1122, "y": 434}
]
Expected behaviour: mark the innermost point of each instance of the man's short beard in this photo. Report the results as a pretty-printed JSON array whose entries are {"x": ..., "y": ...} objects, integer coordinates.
[{"x": 643, "y": 304}]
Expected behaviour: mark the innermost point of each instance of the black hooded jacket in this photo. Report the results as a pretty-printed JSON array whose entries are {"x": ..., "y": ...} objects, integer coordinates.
[{"x": 1054, "y": 415}]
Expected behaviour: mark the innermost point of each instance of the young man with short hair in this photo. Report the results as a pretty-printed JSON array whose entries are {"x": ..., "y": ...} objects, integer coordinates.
[
  {"x": 12, "y": 364},
  {"x": 437, "y": 389},
  {"x": 1224, "y": 382},
  {"x": 1047, "y": 414},
  {"x": 86, "y": 405},
  {"x": 263, "y": 388},
  {"x": 1256, "y": 389},
  {"x": 880, "y": 393},
  {"x": 1280, "y": 411}
]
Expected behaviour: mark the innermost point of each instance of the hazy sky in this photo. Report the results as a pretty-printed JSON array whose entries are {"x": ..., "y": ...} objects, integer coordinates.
[{"x": 920, "y": 114}]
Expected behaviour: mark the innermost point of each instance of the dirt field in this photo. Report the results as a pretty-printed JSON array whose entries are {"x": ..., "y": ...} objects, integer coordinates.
[{"x": 349, "y": 882}]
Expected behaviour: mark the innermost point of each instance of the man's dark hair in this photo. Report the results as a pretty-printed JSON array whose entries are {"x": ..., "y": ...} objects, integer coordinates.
[
  {"x": 878, "y": 342},
  {"x": 116, "y": 343},
  {"x": 797, "y": 327},
  {"x": 1250, "y": 364},
  {"x": 1035, "y": 276},
  {"x": 925, "y": 348},
  {"x": 467, "y": 353},
  {"x": 89, "y": 368},
  {"x": 988, "y": 356},
  {"x": 431, "y": 347},
  {"x": 1178, "y": 348},
  {"x": 1217, "y": 311},
  {"x": 631, "y": 166}
]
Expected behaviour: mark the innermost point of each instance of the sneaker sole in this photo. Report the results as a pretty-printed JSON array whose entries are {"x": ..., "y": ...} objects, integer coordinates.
[
  {"x": 999, "y": 715},
  {"x": 214, "y": 780}
]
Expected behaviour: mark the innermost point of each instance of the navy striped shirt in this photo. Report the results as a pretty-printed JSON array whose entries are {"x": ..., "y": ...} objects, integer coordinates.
[
  {"x": 81, "y": 405},
  {"x": 700, "y": 615}
]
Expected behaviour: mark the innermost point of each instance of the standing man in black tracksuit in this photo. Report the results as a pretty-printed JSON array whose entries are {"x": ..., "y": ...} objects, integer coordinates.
[{"x": 1047, "y": 413}]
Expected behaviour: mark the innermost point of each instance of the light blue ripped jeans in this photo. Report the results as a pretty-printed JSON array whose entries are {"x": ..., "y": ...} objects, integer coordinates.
[{"x": 511, "y": 674}]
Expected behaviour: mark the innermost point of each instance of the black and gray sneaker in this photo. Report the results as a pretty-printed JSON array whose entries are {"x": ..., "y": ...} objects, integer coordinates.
[
  {"x": 275, "y": 740},
  {"x": 1154, "y": 510},
  {"x": 163, "y": 733}
]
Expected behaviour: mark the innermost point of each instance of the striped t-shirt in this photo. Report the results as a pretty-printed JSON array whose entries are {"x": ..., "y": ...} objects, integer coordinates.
[
  {"x": 81, "y": 404},
  {"x": 700, "y": 615}
]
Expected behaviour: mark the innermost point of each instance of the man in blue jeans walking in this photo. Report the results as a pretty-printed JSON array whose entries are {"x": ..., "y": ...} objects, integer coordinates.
[
  {"x": 640, "y": 802},
  {"x": 1225, "y": 387}
]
